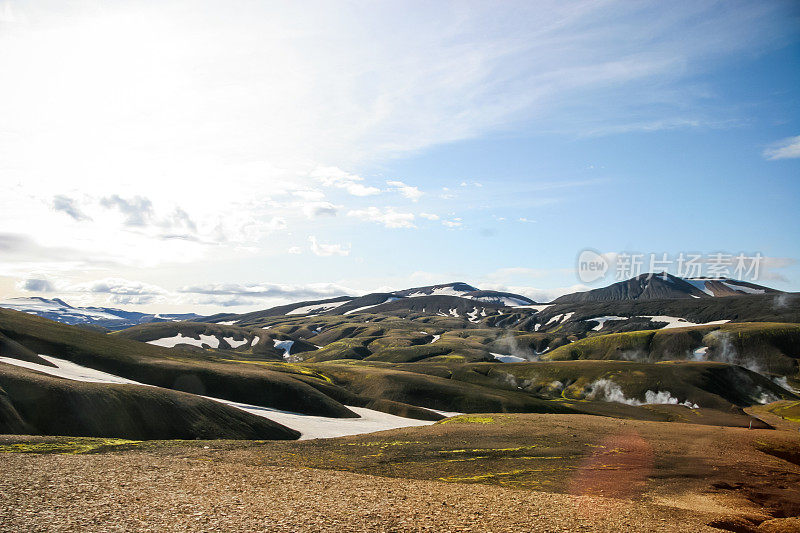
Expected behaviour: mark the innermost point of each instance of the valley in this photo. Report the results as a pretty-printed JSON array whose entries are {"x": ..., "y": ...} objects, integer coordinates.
[{"x": 678, "y": 406}]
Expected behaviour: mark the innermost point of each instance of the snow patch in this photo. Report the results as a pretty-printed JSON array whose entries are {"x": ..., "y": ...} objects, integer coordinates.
[
  {"x": 677, "y": 322},
  {"x": 286, "y": 346},
  {"x": 699, "y": 284},
  {"x": 536, "y": 307},
  {"x": 386, "y": 301},
  {"x": 318, "y": 308},
  {"x": 69, "y": 370},
  {"x": 508, "y": 301},
  {"x": 440, "y": 291},
  {"x": 234, "y": 343},
  {"x": 508, "y": 358},
  {"x": 742, "y": 288},
  {"x": 603, "y": 319},
  {"x": 171, "y": 342},
  {"x": 323, "y": 427}
]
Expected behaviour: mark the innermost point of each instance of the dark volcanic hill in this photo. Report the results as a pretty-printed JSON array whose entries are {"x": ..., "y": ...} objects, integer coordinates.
[
  {"x": 459, "y": 288},
  {"x": 308, "y": 307},
  {"x": 433, "y": 299},
  {"x": 665, "y": 287}
]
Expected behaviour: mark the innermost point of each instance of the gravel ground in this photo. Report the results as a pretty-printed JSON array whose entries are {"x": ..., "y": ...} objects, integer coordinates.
[
  {"x": 605, "y": 475},
  {"x": 139, "y": 491}
]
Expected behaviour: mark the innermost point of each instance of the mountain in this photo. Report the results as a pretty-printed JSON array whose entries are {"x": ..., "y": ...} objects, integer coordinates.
[
  {"x": 307, "y": 307},
  {"x": 507, "y": 299},
  {"x": 458, "y": 288},
  {"x": 665, "y": 286},
  {"x": 400, "y": 366},
  {"x": 456, "y": 299},
  {"x": 463, "y": 290},
  {"x": 105, "y": 317}
]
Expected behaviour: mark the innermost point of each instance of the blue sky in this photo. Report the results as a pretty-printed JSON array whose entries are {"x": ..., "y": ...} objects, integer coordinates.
[{"x": 184, "y": 155}]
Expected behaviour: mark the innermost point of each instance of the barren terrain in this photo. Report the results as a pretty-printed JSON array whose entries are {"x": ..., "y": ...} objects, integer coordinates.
[{"x": 477, "y": 472}]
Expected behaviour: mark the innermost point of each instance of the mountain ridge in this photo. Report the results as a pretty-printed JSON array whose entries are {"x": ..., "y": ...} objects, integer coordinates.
[{"x": 455, "y": 298}]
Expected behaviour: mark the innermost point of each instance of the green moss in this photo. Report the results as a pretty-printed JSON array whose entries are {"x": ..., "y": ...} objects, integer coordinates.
[
  {"x": 288, "y": 368},
  {"x": 495, "y": 477},
  {"x": 70, "y": 447},
  {"x": 468, "y": 420},
  {"x": 383, "y": 443},
  {"x": 789, "y": 411},
  {"x": 485, "y": 450}
]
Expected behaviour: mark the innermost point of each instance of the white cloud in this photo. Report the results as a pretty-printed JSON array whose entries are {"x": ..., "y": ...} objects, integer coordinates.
[
  {"x": 326, "y": 250},
  {"x": 788, "y": 148},
  {"x": 312, "y": 195},
  {"x": 387, "y": 216},
  {"x": 454, "y": 223},
  {"x": 316, "y": 209},
  {"x": 295, "y": 250},
  {"x": 429, "y": 216},
  {"x": 410, "y": 192},
  {"x": 336, "y": 177},
  {"x": 119, "y": 286},
  {"x": 69, "y": 206},
  {"x": 35, "y": 285},
  {"x": 308, "y": 291},
  {"x": 137, "y": 211},
  {"x": 118, "y": 291}
]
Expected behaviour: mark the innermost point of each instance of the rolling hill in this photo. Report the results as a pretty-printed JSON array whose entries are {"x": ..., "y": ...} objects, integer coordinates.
[{"x": 644, "y": 349}]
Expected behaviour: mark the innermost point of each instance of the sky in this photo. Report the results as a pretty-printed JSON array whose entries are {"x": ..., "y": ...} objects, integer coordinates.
[{"x": 230, "y": 156}]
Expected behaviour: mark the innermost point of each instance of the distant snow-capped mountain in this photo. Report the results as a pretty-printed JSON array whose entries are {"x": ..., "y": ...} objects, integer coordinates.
[{"x": 60, "y": 311}]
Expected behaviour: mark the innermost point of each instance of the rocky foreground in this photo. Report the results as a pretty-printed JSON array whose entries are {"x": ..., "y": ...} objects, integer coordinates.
[{"x": 474, "y": 473}]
